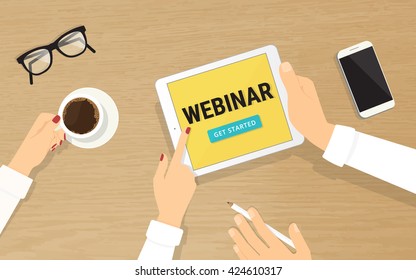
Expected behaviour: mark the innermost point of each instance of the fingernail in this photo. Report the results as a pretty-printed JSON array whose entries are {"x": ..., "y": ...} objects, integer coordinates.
[
  {"x": 235, "y": 247},
  {"x": 161, "y": 157},
  {"x": 237, "y": 220},
  {"x": 53, "y": 146},
  {"x": 251, "y": 213},
  {"x": 286, "y": 67},
  {"x": 188, "y": 129},
  {"x": 295, "y": 227},
  {"x": 53, "y": 149},
  {"x": 56, "y": 119},
  {"x": 65, "y": 136},
  {"x": 231, "y": 232},
  {"x": 60, "y": 143}
]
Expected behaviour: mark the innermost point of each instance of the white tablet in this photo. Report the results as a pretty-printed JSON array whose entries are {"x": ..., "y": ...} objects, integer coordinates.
[{"x": 236, "y": 108}]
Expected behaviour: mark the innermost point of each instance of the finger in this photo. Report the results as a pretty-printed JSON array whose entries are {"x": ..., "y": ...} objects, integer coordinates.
[
  {"x": 53, "y": 147},
  {"x": 40, "y": 122},
  {"x": 298, "y": 240},
  {"x": 249, "y": 234},
  {"x": 305, "y": 82},
  {"x": 53, "y": 123},
  {"x": 263, "y": 231},
  {"x": 308, "y": 87},
  {"x": 161, "y": 169},
  {"x": 180, "y": 148},
  {"x": 242, "y": 244},
  {"x": 58, "y": 140},
  {"x": 289, "y": 79},
  {"x": 60, "y": 135},
  {"x": 239, "y": 253},
  {"x": 54, "y": 143}
]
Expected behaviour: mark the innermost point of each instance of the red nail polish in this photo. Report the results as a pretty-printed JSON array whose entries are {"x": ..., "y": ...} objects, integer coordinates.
[
  {"x": 65, "y": 136},
  {"x": 56, "y": 119},
  {"x": 188, "y": 129},
  {"x": 60, "y": 143},
  {"x": 53, "y": 150},
  {"x": 53, "y": 146},
  {"x": 161, "y": 157}
]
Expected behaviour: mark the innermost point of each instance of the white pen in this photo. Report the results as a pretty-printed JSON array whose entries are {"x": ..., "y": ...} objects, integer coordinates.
[{"x": 279, "y": 235}]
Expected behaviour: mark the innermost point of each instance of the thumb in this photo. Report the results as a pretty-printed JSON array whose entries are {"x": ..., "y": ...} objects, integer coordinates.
[
  {"x": 289, "y": 78},
  {"x": 53, "y": 123},
  {"x": 161, "y": 169},
  {"x": 297, "y": 238}
]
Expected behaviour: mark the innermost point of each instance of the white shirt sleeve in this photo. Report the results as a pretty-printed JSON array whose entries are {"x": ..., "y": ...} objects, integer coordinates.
[
  {"x": 161, "y": 242},
  {"x": 13, "y": 187},
  {"x": 388, "y": 161}
]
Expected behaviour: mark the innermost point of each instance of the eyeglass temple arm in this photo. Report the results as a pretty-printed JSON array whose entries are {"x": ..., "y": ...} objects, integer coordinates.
[
  {"x": 90, "y": 48},
  {"x": 38, "y": 57},
  {"x": 31, "y": 78}
]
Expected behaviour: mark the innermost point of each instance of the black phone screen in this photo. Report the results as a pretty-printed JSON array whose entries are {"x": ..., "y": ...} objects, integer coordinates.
[{"x": 366, "y": 79}]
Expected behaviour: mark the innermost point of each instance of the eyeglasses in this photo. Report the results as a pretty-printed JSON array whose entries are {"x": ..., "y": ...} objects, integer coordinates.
[{"x": 71, "y": 44}]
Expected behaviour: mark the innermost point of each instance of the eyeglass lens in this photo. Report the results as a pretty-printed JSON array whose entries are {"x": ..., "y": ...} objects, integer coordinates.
[
  {"x": 72, "y": 44},
  {"x": 38, "y": 61}
]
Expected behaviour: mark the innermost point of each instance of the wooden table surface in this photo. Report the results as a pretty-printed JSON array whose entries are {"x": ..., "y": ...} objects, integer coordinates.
[{"x": 96, "y": 204}]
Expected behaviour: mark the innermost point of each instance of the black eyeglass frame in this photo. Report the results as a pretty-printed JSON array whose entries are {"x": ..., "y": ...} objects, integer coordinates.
[{"x": 54, "y": 46}]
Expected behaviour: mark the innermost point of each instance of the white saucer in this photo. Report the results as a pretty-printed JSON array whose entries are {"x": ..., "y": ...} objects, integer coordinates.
[{"x": 109, "y": 125}]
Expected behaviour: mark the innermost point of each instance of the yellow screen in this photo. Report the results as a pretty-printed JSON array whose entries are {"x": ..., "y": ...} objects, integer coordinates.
[{"x": 232, "y": 111}]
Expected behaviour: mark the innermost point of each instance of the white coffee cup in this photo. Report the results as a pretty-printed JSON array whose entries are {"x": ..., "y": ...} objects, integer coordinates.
[{"x": 80, "y": 93}]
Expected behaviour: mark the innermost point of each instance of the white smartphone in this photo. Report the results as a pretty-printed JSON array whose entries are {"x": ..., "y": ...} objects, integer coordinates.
[{"x": 365, "y": 79}]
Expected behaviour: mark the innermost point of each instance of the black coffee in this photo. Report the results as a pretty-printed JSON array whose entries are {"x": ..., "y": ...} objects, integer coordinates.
[{"x": 81, "y": 115}]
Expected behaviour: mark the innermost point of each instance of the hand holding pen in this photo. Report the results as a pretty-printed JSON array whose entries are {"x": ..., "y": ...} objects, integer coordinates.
[{"x": 265, "y": 245}]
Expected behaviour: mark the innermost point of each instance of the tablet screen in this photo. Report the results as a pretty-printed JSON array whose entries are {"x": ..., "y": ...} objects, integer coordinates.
[{"x": 233, "y": 110}]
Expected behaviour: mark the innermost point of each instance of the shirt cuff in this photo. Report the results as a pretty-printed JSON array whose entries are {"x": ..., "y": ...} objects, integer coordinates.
[
  {"x": 164, "y": 234},
  {"x": 340, "y": 145},
  {"x": 14, "y": 183}
]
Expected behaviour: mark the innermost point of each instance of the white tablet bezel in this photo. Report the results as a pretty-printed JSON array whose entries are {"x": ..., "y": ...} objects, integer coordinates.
[{"x": 173, "y": 122}]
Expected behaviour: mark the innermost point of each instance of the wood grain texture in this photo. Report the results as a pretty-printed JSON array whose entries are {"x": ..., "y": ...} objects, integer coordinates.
[{"x": 96, "y": 204}]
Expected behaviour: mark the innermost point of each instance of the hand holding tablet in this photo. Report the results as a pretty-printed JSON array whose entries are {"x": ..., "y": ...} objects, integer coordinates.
[
  {"x": 236, "y": 107},
  {"x": 174, "y": 185},
  {"x": 305, "y": 110}
]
